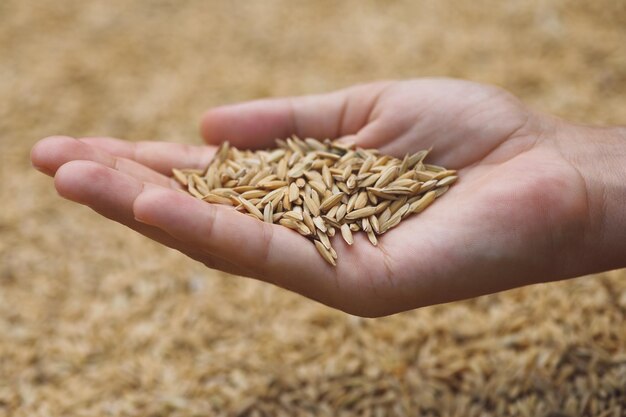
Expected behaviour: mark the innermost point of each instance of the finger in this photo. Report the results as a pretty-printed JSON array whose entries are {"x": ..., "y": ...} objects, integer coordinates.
[
  {"x": 160, "y": 156},
  {"x": 111, "y": 194},
  {"x": 257, "y": 124},
  {"x": 51, "y": 153},
  {"x": 274, "y": 253}
]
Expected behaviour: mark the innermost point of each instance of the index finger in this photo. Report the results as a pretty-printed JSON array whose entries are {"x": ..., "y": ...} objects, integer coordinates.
[
  {"x": 160, "y": 156},
  {"x": 256, "y": 124}
]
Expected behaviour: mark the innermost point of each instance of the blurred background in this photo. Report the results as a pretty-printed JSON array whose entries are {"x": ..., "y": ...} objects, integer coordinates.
[{"x": 95, "y": 320}]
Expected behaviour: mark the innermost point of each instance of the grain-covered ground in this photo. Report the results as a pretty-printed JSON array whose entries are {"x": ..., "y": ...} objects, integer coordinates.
[{"x": 97, "y": 321}]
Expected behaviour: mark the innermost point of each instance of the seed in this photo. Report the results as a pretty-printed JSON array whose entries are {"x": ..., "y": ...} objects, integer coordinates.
[
  {"x": 351, "y": 182},
  {"x": 404, "y": 165},
  {"x": 251, "y": 208},
  {"x": 374, "y": 223},
  {"x": 341, "y": 212},
  {"x": 347, "y": 171},
  {"x": 372, "y": 237},
  {"x": 434, "y": 168},
  {"x": 281, "y": 169},
  {"x": 311, "y": 205},
  {"x": 398, "y": 190},
  {"x": 367, "y": 164},
  {"x": 328, "y": 257},
  {"x": 222, "y": 151},
  {"x": 365, "y": 225},
  {"x": 262, "y": 174},
  {"x": 382, "y": 206},
  {"x": 294, "y": 215},
  {"x": 447, "y": 181},
  {"x": 369, "y": 181},
  {"x": 180, "y": 177},
  {"x": 294, "y": 192},
  {"x": 297, "y": 171},
  {"x": 248, "y": 195},
  {"x": 296, "y": 225},
  {"x": 192, "y": 189},
  {"x": 319, "y": 223},
  {"x": 347, "y": 234},
  {"x": 268, "y": 213},
  {"x": 324, "y": 239},
  {"x": 272, "y": 185},
  {"x": 417, "y": 157},
  {"x": 333, "y": 211},
  {"x": 383, "y": 217},
  {"x": 424, "y": 175},
  {"x": 315, "y": 144},
  {"x": 327, "y": 177},
  {"x": 217, "y": 199},
  {"x": 364, "y": 212},
  {"x": 380, "y": 193},
  {"x": 274, "y": 196},
  {"x": 441, "y": 191},
  {"x": 318, "y": 186},
  {"x": 332, "y": 222},
  {"x": 422, "y": 203},
  {"x": 239, "y": 189},
  {"x": 361, "y": 200},
  {"x": 397, "y": 204},
  {"x": 428, "y": 185},
  {"x": 308, "y": 220},
  {"x": 386, "y": 176},
  {"x": 331, "y": 202}
]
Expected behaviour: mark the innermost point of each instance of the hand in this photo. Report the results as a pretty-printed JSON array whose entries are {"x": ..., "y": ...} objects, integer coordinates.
[{"x": 520, "y": 213}]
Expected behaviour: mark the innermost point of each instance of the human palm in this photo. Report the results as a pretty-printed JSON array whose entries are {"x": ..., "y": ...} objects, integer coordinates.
[{"x": 501, "y": 225}]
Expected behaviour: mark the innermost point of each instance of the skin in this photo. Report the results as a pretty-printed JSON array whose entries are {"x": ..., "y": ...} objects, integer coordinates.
[{"x": 539, "y": 199}]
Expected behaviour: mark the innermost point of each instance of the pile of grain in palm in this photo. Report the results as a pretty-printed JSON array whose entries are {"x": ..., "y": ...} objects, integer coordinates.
[{"x": 317, "y": 188}]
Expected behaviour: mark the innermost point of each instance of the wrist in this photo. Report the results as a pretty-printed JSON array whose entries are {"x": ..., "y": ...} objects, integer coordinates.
[{"x": 599, "y": 156}]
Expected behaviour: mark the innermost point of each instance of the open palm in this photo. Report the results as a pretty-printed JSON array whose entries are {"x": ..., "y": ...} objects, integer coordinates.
[{"x": 502, "y": 225}]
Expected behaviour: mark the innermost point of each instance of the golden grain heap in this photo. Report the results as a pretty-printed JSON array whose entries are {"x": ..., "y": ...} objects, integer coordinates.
[{"x": 317, "y": 187}]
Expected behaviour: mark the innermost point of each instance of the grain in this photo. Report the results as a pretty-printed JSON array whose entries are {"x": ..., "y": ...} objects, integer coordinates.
[
  {"x": 447, "y": 181},
  {"x": 422, "y": 203},
  {"x": 268, "y": 213},
  {"x": 180, "y": 177},
  {"x": 347, "y": 234},
  {"x": 357, "y": 214},
  {"x": 315, "y": 187},
  {"x": 328, "y": 257},
  {"x": 331, "y": 201},
  {"x": 294, "y": 192},
  {"x": 251, "y": 208},
  {"x": 372, "y": 237},
  {"x": 217, "y": 199}
]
